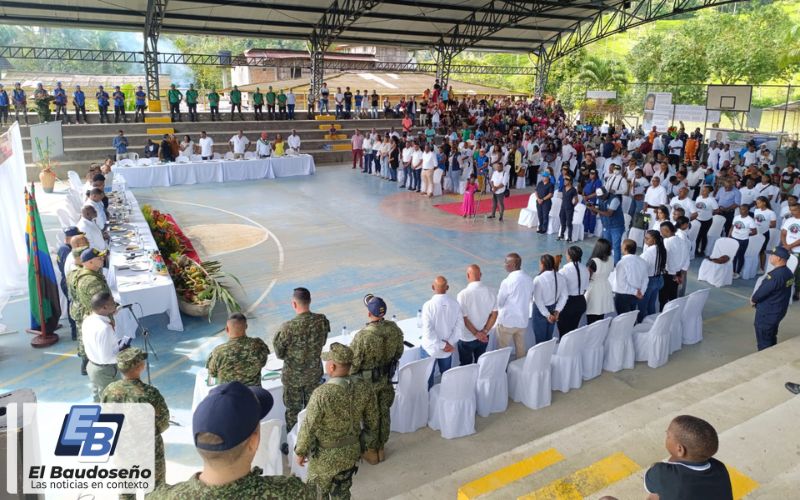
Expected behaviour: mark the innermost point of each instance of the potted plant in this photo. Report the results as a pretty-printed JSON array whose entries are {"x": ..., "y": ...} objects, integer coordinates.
[
  {"x": 201, "y": 286},
  {"x": 46, "y": 174}
]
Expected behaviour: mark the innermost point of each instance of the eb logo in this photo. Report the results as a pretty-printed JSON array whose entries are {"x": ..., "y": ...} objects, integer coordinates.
[{"x": 88, "y": 434}]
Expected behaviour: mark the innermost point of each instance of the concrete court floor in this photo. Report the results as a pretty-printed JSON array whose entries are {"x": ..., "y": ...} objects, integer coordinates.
[{"x": 343, "y": 234}]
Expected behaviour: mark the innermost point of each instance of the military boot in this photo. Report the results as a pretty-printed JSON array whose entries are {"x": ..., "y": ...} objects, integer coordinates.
[
  {"x": 371, "y": 456},
  {"x": 84, "y": 363},
  {"x": 381, "y": 455}
]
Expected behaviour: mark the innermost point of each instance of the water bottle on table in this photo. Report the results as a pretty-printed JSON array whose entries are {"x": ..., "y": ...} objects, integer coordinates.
[{"x": 419, "y": 318}]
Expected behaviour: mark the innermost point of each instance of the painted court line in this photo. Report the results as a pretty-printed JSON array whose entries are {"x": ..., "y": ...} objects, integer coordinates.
[
  {"x": 741, "y": 484},
  {"x": 502, "y": 477},
  {"x": 588, "y": 480}
]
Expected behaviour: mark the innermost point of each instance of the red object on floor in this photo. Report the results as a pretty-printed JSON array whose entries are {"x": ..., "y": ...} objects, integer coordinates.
[
  {"x": 485, "y": 206},
  {"x": 190, "y": 251}
]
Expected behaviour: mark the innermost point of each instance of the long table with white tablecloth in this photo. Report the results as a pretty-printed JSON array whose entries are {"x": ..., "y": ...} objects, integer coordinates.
[
  {"x": 209, "y": 171},
  {"x": 130, "y": 277}
]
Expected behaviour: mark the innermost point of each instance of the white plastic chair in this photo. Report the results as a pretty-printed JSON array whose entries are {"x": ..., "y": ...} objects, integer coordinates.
[
  {"x": 269, "y": 456},
  {"x": 566, "y": 361},
  {"x": 692, "y": 234},
  {"x": 228, "y": 155},
  {"x": 528, "y": 216},
  {"x": 618, "y": 349},
  {"x": 300, "y": 471},
  {"x": 577, "y": 222},
  {"x": 409, "y": 411},
  {"x": 217, "y": 156},
  {"x": 692, "y": 319},
  {"x": 453, "y": 403},
  {"x": 74, "y": 201},
  {"x": 715, "y": 232},
  {"x": 716, "y": 274},
  {"x": 75, "y": 181},
  {"x": 529, "y": 378},
  {"x": 651, "y": 343},
  {"x": 592, "y": 353},
  {"x": 676, "y": 332},
  {"x": 491, "y": 389},
  {"x": 637, "y": 235},
  {"x": 751, "y": 261},
  {"x": 437, "y": 183},
  {"x": 65, "y": 218},
  {"x": 133, "y": 156},
  {"x": 554, "y": 223}
]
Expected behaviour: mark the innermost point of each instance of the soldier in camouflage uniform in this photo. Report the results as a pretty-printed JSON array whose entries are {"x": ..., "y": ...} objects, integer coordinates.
[
  {"x": 226, "y": 429},
  {"x": 330, "y": 435},
  {"x": 83, "y": 283},
  {"x": 241, "y": 357},
  {"x": 299, "y": 343},
  {"x": 377, "y": 349},
  {"x": 131, "y": 362}
]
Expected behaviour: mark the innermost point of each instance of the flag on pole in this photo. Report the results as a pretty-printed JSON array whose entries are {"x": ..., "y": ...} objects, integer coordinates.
[{"x": 42, "y": 282}]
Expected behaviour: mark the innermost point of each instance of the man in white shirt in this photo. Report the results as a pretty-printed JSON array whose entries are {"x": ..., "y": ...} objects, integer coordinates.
[
  {"x": 263, "y": 146},
  {"x": 676, "y": 255},
  {"x": 790, "y": 240},
  {"x": 239, "y": 144},
  {"x": 416, "y": 165},
  {"x": 206, "y": 144},
  {"x": 629, "y": 279},
  {"x": 95, "y": 200},
  {"x": 568, "y": 152},
  {"x": 89, "y": 227},
  {"x": 479, "y": 306},
  {"x": 616, "y": 182},
  {"x": 428, "y": 164},
  {"x": 293, "y": 141},
  {"x": 682, "y": 225},
  {"x": 101, "y": 343},
  {"x": 499, "y": 184},
  {"x": 514, "y": 305},
  {"x": 713, "y": 156},
  {"x": 683, "y": 201},
  {"x": 655, "y": 196},
  {"x": 675, "y": 147},
  {"x": 441, "y": 327},
  {"x": 750, "y": 156},
  {"x": 405, "y": 160}
]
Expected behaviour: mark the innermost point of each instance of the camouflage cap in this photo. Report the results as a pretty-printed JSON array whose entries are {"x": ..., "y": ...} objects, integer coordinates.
[
  {"x": 339, "y": 353},
  {"x": 129, "y": 358}
]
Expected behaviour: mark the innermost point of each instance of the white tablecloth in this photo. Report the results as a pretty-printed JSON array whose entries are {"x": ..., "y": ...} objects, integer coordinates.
[
  {"x": 150, "y": 293},
  {"x": 174, "y": 174},
  {"x": 271, "y": 379}
]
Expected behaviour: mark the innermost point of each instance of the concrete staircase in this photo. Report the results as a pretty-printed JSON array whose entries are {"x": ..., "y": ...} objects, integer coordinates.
[
  {"x": 745, "y": 400},
  {"x": 88, "y": 143}
]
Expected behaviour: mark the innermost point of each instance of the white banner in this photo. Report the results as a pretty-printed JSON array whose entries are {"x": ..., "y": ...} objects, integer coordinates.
[
  {"x": 13, "y": 253},
  {"x": 657, "y": 111},
  {"x": 601, "y": 94},
  {"x": 738, "y": 139}
]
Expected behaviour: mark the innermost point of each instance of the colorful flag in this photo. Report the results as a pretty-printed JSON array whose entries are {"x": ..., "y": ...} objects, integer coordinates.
[{"x": 42, "y": 282}]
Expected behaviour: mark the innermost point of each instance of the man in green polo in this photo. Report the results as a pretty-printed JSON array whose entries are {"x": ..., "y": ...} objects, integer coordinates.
[
  {"x": 191, "y": 102},
  {"x": 175, "y": 97},
  {"x": 236, "y": 102},
  {"x": 258, "y": 103},
  {"x": 282, "y": 105},
  {"x": 271, "y": 103},
  {"x": 213, "y": 103}
]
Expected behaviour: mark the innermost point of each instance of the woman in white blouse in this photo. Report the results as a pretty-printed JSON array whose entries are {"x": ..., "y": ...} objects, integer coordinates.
[
  {"x": 706, "y": 205},
  {"x": 187, "y": 146},
  {"x": 655, "y": 254},
  {"x": 599, "y": 297},
  {"x": 549, "y": 298},
  {"x": 576, "y": 282},
  {"x": 765, "y": 220}
]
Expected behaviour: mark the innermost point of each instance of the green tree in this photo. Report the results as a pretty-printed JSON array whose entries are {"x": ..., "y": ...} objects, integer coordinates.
[{"x": 602, "y": 73}]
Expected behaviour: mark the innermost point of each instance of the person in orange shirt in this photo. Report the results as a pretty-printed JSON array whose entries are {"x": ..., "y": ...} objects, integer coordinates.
[{"x": 691, "y": 149}]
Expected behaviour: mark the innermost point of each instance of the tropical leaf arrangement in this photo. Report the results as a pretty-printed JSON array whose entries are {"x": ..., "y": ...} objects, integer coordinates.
[{"x": 201, "y": 284}]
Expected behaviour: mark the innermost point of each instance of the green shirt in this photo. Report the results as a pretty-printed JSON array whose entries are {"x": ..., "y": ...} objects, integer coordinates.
[
  {"x": 213, "y": 98},
  {"x": 258, "y": 98},
  {"x": 253, "y": 485},
  {"x": 191, "y": 96},
  {"x": 281, "y": 99},
  {"x": 174, "y": 96},
  {"x": 236, "y": 96},
  {"x": 270, "y": 97}
]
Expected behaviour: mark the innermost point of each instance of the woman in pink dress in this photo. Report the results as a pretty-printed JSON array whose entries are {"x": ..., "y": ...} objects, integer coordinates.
[{"x": 468, "y": 206}]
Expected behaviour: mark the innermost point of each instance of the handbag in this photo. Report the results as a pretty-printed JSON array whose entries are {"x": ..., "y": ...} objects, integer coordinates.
[{"x": 640, "y": 221}]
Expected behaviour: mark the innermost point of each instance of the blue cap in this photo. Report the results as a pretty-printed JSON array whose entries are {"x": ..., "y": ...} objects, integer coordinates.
[
  {"x": 780, "y": 252},
  {"x": 91, "y": 253},
  {"x": 72, "y": 231},
  {"x": 375, "y": 305},
  {"x": 231, "y": 411}
]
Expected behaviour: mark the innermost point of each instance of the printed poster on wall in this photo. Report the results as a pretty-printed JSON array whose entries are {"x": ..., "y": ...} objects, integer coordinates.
[{"x": 657, "y": 111}]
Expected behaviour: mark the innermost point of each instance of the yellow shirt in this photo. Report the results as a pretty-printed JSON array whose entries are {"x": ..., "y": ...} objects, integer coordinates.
[{"x": 279, "y": 147}]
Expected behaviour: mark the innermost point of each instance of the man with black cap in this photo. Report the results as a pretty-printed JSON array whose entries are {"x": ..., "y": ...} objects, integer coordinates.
[
  {"x": 131, "y": 389},
  {"x": 377, "y": 349},
  {"x": 299, "y": 342},
  {"x": 329, "y": 437},
  {"x": 102, "y": 343},
  {"x": 86, "y": 282},
  {"x": 227, "y": 429},
  {"x": 62, "y": 255},
  {"x": 771, "y": 299}
]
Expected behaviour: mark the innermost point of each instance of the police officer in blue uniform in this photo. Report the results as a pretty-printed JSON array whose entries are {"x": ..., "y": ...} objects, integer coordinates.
[
  {"x": 79, "y": 103},
  {"x": 771, "y": 300},
  {"x": 60, "y": 100},
  {"x": 141, "y": 104},
  {"x": 5, "y": 102},
  {"x": 119, "y": 105},
  {"x": 63, "y": 253},
  {"x": 609, "y": 209},
  {"x": 102, "y": 104}
]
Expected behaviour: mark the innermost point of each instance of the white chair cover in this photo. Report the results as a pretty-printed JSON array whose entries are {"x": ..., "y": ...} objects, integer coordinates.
[
  {"x": 676, "y": 332},
  {"x": 566, "y": 361},
  {"x": 637, "y": 235},
  {"x": 462, "y": 186},
  {"x": 774, "y": 237},
  {"x": 692, "y": 233},
  {"x": 437, "y": 181},
  {"x": 182, "y": 159},
  {"x": 714, "y": 232},
  {"x": 751, "y": 261},
  {"x": 627, "y": 220},
  {"x": 554, "y": 224},
  {"x": 300, "y": 471},
  {"x": 452, "y": 403},
  {"x": 491, "y": 389},
  {"x": 65, "y": 218},
  {"x": 448, "y": 182},
  {"x": 618, "y": 349},
  {"x": 719, "y": 274},
  {"x": 692, "y": 319},
  {"x": 228, "y": 155},
  {"x": 217, "y": 156},
  {"x": 75, "y": 181},
  {"x": 196, "y": 158},
  {"x": 528, "y": 218},
  {"x": 651, "y": 344},
  {"x": 520, "y": 182},
  {"x": 592, "y": 353},
  {"x": 577, "y": 222},
  {"x": 269, "y": 456},
  {"x": 409, "y": 411},
  {"x": 74, "y": 201},
  {"x": 529, "y": 378},
  {"x": 626, "y": 204}
]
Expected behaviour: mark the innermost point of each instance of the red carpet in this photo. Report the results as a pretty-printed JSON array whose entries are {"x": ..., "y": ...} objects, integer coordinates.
[{"x": 485, "y": 207}]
